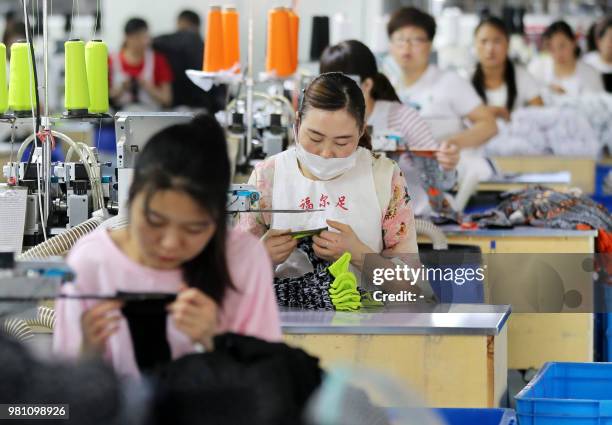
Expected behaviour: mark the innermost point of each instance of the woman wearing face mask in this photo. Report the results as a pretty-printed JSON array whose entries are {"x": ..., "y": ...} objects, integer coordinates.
[
  {"x": 364, "y": 197},
  {"x": 563, "y": 72},
  {"x": 385, "y": 112},
  {"x": 501, "y": 85},
  {"x": 444, "y": 99}
]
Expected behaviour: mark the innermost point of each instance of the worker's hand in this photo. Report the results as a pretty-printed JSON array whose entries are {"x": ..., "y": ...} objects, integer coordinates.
[
  {"x": 279, "y": 245},
  {"x": 98, "y": 324},
  {"x": 500, "y": 112},
  {"x": 146, "y": 85},
  {"x": 557, "y": 89},
  {"x": 448, "y": 155},
  {"x": 195, "y": 314},
  {"x": 330, "y": 246}
]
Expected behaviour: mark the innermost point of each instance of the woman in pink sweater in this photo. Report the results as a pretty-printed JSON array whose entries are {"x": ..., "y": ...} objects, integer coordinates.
[{"x": 176, "y": 242}]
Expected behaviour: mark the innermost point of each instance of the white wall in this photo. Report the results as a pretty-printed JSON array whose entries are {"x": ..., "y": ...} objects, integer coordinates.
[{"x": 161, "y": 19}]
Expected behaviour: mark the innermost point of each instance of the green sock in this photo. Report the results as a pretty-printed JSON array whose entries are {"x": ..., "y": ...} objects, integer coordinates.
[
  {"x": 343, "y": 282},
  {"x": 341, "y": 265}
]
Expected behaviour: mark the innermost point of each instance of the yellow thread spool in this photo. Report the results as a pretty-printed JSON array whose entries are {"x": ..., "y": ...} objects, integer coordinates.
[
  {"x": 21, "y": 96},
  {"x": 76, "y": 87},
  {"x": 3, "y": 88},
  {"x": 96, "y": 62}
]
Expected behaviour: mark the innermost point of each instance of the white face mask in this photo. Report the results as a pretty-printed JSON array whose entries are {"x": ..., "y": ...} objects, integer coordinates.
[{"x": 324, "y": 168}]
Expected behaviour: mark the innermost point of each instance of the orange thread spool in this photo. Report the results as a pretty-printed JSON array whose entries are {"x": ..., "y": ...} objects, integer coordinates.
[
  {"x": 231, "y": 40},
  {"x": 294, "y": 30},
  {"x": 213, "y": 50},
  {"x": 279, "y": 48}
]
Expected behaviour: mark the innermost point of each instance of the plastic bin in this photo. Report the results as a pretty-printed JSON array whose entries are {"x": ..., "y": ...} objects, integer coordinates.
[
  {"x": 567, "y": 394},
  {"x": 465, "y": 416},
  {"x": 478, "y": 416}
]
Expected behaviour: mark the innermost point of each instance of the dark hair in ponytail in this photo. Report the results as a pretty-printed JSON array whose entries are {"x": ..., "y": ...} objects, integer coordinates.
[
  {"x": 478, "y": 79},
  {"x": 352, "y": 57},
  {"x": 162, "y": 166},
  {"x": 333, "y": 91},
  {"x": 562, "y": 27}
]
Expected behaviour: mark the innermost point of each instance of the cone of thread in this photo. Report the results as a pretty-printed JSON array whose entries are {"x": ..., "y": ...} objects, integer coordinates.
[
  {"x": 213, "y": 51},
  {"x": 21, "y": 86},
  {"x": 3, "y": 88},
  {"x": 231, "y": 40},
  {"x": 294, "y": 30},
  {"x": 278, "y": 58},
  {"x": 76, "y": 87},
  {"x": 96, "y": 62}
]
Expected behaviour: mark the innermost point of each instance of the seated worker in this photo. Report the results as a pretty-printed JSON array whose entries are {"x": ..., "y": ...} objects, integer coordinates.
[
  {"x": 444, "y": 99},
  {"x": 385, "y": 112},
  {"x": 601, "y": 59},
  {"x": 140, "y": 78},
  {"x": 363, "y": 196},
  {"x": 176, "y": 242},
  {"x": 501, "y": 85},
  {"x": 563, "y": 72}
]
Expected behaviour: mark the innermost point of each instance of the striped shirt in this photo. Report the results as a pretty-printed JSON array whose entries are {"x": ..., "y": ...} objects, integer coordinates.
[{"x": 406, "y": 121}]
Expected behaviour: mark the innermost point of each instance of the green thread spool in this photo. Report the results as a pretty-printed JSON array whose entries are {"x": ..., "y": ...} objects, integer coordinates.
[
  {"x": 96, "y": 59},
  {"x": 76, "y": 89},
  {"x": 21, "y": 96},
  {"x": 3, "y": 88}
]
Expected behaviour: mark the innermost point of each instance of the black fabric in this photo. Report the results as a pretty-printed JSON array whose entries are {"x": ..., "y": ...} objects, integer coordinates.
[
  {"x": 185, "y": 50},
  {"x": 310, "y": 291},
  {"x": 243, "y": 381},
  {"x": 607, "y": 79},
  {"x": 147, "y": 319},
  {"x": 91, "y": 389},
  {"x": 320, "y": 36}
]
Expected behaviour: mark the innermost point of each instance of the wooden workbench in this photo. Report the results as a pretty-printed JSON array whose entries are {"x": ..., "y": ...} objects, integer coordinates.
[
  {"x": 456, "y": 359},
  {"x": 534, "y": 339}
]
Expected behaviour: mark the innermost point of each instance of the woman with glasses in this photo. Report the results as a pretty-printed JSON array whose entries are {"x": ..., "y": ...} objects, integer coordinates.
[
  {"x": 444, "y": 99},
  {"x": 499, "y": 83}
]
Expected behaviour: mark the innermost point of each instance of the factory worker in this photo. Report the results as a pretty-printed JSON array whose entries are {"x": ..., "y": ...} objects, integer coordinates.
[
  {"x": 140, "y": 78},
  {"x": 363, "y": 196},
  {"x": 502, "y": 86},
  {"x": 562, "y": 72},
  {"x": 176, "y": 242},
  {"x": 601, "y": 59},
  {"x": 449, "y": 103},
  {"x": 385, "y": 112}
]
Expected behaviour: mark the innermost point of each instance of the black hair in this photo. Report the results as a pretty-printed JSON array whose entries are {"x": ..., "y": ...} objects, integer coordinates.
[
  {"x": 603, "y": 26},
  {"x": 561, "y": 27},
  {"x": 172, "y": 160},
  {"x": 478, "y": 79},
  {"x": 591, "y": 38},
  {"x": 16, "y": 31},
  {"x": 135, "y": 25},
  {"x": 333, "y": 91},
  {"x": 412, "y": 17},
  {"x": 352, "y": 57},
  {"x": 191, "y": 17}
]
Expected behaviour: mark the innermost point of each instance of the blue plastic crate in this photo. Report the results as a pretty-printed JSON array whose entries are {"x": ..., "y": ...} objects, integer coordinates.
[
  {"x": 567, "y": 394},
  {"x": 465, "y": 416},
  {"x": 478, "y": 416}
]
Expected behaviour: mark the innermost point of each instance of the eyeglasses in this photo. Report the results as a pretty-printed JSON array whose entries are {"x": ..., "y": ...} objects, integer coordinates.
[{"x": 409, "y": 41}]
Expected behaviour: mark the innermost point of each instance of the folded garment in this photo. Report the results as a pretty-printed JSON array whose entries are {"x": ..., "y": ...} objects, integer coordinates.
[{"x": 554, "y": 130}]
